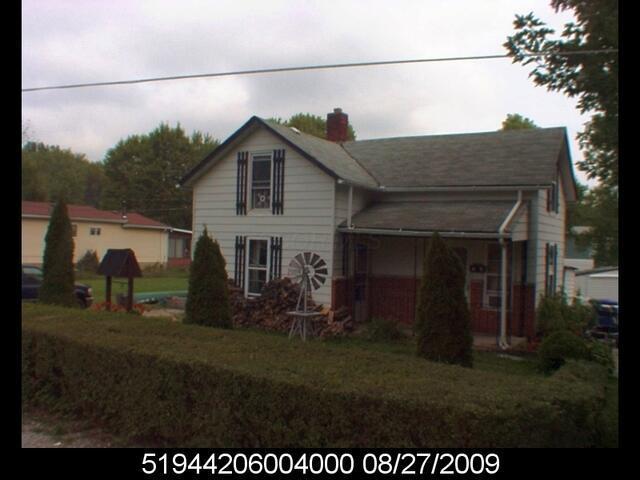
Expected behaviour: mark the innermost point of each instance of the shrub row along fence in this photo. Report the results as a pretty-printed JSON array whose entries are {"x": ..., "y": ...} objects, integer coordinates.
[{"x": 164, "y": 384}]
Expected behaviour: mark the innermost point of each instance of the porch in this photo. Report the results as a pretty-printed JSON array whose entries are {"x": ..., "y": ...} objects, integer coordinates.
[{"x": 381, "y": 269}]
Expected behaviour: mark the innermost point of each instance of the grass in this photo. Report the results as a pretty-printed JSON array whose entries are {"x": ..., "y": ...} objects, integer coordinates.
[
  {"x": 611, "y": 415},
  {"x": 482, "y": 360},
  {"x": 172, "y": 280}
]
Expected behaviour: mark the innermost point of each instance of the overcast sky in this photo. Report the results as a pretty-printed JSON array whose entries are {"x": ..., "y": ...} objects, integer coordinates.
[{"x": 66, "y": 41}]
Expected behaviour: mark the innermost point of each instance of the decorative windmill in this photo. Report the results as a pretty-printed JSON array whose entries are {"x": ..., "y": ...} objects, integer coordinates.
[{"x": 309, "y": 271}]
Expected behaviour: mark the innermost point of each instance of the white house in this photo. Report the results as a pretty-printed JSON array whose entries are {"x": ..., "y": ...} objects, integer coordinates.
[
  {"x": 598, "y": 283},
  {"x": 363, "y": 212}
]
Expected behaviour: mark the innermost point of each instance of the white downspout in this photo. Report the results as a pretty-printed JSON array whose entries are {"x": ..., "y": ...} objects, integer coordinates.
[{"x": 502, "y": 342}]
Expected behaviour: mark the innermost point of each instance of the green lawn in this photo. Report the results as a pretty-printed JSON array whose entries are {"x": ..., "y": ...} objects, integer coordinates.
[
  {"x": 173, "y": 281},
  {"x": 482, "y": 360}
]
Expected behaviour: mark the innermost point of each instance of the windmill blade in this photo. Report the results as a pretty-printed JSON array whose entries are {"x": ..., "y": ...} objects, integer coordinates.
[
  {"x": 319, "y": 263},
  {"x": 309, "y": 270}
]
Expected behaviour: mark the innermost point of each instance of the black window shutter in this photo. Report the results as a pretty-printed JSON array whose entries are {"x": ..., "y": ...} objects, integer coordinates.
[
  {"x": 556, "y": 199},
  {"x": 276, "y": 258},
  {"x": 241, "y": 184},
  {"x": 555, "y": 268},
  {"x": 546, "y": 269},
  {"x": 238, "y": 275},
  {"x": 277, "y": 205}
]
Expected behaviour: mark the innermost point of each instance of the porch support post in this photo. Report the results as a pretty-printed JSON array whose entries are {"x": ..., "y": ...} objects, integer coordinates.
[
  {"x": 503, "y": 343},
  {"x": 350, "y": 207}
]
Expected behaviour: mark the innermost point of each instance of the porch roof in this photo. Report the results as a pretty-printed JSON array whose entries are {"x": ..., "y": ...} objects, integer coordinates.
[{"x": 464, "y": 218}]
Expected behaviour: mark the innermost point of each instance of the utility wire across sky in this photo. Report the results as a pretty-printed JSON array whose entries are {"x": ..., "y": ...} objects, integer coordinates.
[{"x": 313, "y": 67}]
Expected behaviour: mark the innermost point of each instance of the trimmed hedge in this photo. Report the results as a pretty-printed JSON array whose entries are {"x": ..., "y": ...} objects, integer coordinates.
[
  {"x": 166, "y": 384},
  {"x": 562, "y": 345}
]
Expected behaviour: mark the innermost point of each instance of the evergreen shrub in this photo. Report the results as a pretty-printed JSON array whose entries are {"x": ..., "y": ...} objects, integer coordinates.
[
  {"x": 443, "y": 320},
  {"x": 208, "y": 296}
]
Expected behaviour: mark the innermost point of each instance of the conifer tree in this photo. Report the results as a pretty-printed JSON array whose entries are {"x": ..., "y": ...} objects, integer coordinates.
[
  {"x": 443, "y": 320},
  {"x": 208, "y": 296},
  {"x": 57, "y": 265}
]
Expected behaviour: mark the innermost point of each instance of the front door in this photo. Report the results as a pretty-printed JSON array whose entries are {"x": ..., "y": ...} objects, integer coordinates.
[{"x": 361, "y": 283}]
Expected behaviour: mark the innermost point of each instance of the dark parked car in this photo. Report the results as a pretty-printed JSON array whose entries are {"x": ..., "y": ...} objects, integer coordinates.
[
  {"x": 606, "y": 328},
  {"x": 32, "y": 279}
]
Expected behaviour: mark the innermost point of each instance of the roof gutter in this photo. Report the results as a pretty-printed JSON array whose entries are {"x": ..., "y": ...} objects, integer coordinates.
[
  {"x": 420, "y": 233},
  {"x": 502, "y": 342},
  {"x": 466, "y": 188},
  {"x": 149, "y": 227},
  {"x": 73, "y": 219}
]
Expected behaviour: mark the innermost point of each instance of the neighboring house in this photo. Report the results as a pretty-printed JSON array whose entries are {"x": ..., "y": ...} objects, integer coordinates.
[
  {"x": 598, "y": 283},
  {"x": 368, "y": 208},
  {"x": 99, "y": 230},
  {"x": 577, "y": 256},
  {"x": 569, "y": 281}
]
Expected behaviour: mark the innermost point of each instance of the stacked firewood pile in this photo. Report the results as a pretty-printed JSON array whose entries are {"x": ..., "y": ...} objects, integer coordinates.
[
  {"x": 336, "y": 323},
  {"x": 269, "y": 310}
]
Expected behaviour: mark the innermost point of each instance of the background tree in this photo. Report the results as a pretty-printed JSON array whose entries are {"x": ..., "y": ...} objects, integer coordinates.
[
  {"x": 577, "y": 214},
  {"x": 208, "y": 295},
  {"x": 443, "y": 320},
  {"x": 143, "y": 170},
  {"x": 311, "y": 124},
  {"x": 58, "y": 277},
  {"x": 600, "y": 213},
  {"x": 597, "y": 209},
  {"x": 49, "y": 171},
  {"x": 592, "y": 78},
  {"x": 515, "y": 121}
]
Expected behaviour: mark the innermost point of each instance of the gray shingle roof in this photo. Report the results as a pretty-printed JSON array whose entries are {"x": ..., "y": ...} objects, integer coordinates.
[
  {"x": 469, "y": 217},
  {"x": 330, "y": 154},
  {"x": 516, "y": 157}
]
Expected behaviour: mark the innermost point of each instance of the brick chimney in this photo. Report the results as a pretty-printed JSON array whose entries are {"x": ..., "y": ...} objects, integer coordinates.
[{"x": 337, "y": 126}]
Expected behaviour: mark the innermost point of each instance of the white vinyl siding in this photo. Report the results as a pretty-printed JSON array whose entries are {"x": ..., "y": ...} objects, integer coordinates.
[
  {"x": 549, "y": 227},
  {"x": 307, "y": 222}
]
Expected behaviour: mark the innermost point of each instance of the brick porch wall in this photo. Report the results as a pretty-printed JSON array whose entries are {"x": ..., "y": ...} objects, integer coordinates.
[
  {"x": 178, "y": 262},
  {"x": 395, "y": 298}
]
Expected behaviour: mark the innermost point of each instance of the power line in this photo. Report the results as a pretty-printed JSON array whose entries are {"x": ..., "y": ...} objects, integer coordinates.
[{"x": 313, "y": 67}]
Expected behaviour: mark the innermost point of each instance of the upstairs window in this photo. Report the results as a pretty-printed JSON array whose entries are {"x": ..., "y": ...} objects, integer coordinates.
[
  {"x": 95, "y": 231},
  {"x": 261, "y": 182}
]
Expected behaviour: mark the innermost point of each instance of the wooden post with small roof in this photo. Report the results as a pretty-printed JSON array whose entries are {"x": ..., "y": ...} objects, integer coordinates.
[{"x": 120, "y": 263}]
